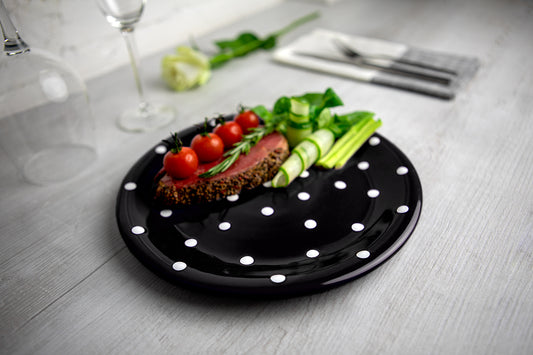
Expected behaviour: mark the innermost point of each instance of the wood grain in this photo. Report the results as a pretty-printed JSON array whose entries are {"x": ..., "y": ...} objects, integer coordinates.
[{"x": 463, "y": 284}]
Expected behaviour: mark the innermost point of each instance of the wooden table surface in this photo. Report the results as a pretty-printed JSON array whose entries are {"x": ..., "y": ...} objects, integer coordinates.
[{"x": 463, "y": 283}]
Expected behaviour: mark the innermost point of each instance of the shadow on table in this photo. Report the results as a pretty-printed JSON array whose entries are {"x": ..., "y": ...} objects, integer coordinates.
[{"x": 152, "y": 286}]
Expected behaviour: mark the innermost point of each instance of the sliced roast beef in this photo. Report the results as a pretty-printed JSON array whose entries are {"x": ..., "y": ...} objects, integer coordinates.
[{"x": 249, "y": 171}]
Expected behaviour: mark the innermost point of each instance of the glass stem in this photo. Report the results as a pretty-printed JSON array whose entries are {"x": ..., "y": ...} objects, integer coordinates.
[
  {"x": 13, "y": 44},
  {"x": 128, "y": 35}
]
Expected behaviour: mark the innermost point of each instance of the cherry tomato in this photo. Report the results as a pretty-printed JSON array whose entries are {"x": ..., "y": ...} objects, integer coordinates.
[
  {"x": 247, "y": 120},
  {"x": 208, "y": 146},
  {"x": 180, "y": 162},
  {"x": 230, "y": 132}
]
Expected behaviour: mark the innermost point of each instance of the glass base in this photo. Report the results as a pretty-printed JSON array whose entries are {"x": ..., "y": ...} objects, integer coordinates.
[
  {"x": 58, "y": 164},
  {"x": 146, "y": 118}
]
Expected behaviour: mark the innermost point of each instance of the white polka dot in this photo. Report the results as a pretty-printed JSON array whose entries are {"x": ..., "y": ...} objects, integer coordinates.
[
  {"x": 165, "y": 213},
  {"x": 357, "y": 227},
  {"x": 304, "y": 174},
  {"x": 247, "y": 260},
  {"x": 363, "y": 165},
  {"x": 267, "y": 184},
  {"x": 232, "y": 198},
  {"x": 310, "y": 224},
  {"x": 373, "y": 193},
  {"x": 267, "y": 211},
  {"x": 138, "y": 230},
  {"x": 312, "y": 253},
  {"x": 363, "y": 254},
  {"x": 179, "y": 266},
  {"x": 374, "y": 141},
  {"x": 191, "y": 242},
  {"x": 304, "y": 196},
  {"x": 160, "y": 149},
  {"x": 130, "y": 186},
  {"x": 341, "y": 185},
  {"x": 224, "y": 226},
  {"x": 402, "y": 170},
  {"x": 402, "y": 209},
  {"x": 278, "y": 278}
]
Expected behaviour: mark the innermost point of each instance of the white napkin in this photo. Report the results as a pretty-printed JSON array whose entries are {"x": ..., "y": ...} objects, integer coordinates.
[{"x": 320, "y": 42}]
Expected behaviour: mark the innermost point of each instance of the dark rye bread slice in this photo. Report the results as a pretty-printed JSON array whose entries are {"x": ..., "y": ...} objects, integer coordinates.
[{"x": 249, "y": 171}]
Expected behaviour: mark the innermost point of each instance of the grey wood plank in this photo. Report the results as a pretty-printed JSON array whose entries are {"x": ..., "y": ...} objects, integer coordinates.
[{"x": 462, "y": 284}]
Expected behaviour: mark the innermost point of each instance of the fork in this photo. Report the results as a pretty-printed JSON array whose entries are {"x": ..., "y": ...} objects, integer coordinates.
[{"x": 352, "y": 53}]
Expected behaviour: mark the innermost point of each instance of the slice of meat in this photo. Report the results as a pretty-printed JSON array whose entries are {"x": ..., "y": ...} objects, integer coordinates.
[{"x": 249, "y": 171}]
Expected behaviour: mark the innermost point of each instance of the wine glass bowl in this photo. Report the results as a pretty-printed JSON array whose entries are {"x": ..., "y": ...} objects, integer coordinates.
[
  {"x": 124, "y": 14},
  {"x": 46, "y": 124}
]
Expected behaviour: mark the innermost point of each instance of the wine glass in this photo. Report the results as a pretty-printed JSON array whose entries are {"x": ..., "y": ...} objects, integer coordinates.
[
  {"x": 46, "y": 125},
  {"x": 124, "y": 14}
]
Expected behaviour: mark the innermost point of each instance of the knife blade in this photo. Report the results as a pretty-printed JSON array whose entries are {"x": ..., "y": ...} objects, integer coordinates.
[{"x": 396, "y": 69}]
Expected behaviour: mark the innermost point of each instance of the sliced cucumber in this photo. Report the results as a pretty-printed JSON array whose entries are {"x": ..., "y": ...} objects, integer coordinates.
[
  {"x": 323, "y": 139},
  {"x": 298, "y": 125},
  {"x": 291, "y": 168},
  {"x": 299, "y": 110},
  {"x": 303, "y": 156},
  {"x": 308, "y": 153}
]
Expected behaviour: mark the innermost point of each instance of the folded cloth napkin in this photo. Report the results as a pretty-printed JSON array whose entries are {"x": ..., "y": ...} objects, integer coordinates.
[{"x": 321, "y": 42}]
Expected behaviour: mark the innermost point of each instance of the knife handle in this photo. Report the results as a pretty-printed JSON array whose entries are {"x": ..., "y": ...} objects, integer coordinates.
[
  {"x": 425, "y": 66},
  {"x": 413, "y": 72}
]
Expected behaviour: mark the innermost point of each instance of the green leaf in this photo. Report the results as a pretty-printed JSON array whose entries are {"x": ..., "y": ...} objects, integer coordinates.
[
  {"x": 323, "y": 119},
  {"x": 242, "y": 39},
  {"x": 282, "y": 105},
  {"x": 321, "y": 100},
  {"x": 269, "y": 42},
  {"x": 262, "y": 112},
  {"x": 342, "y": 123},
  {"x": 248, "y": 42}
]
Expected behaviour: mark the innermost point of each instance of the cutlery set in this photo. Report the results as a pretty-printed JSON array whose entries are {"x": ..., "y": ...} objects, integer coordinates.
[{"x": 384, "y": 63}]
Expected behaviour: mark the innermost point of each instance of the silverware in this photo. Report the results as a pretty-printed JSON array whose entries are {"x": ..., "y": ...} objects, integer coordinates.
[
  {"x": 400, "y": 69},
  {"x": 352, "y": 53}
]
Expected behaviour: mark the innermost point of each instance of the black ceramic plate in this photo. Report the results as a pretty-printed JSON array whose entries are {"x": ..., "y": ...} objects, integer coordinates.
[{"x": 325, "y": 229}]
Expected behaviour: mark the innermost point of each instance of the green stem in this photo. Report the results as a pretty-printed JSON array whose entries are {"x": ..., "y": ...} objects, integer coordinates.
[
  {"x": 221, "y": 58},
  {"x": 357, "y": 142},
  {"x": 352, "y": 138},
  {"x": 295, "y": 24},
  {"x": 348, "y": 144},
  {"x": 329, "y": 160}
]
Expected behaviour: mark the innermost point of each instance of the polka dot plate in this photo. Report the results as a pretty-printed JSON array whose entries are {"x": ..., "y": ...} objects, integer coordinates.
[{"x": 327, "y": 228}]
